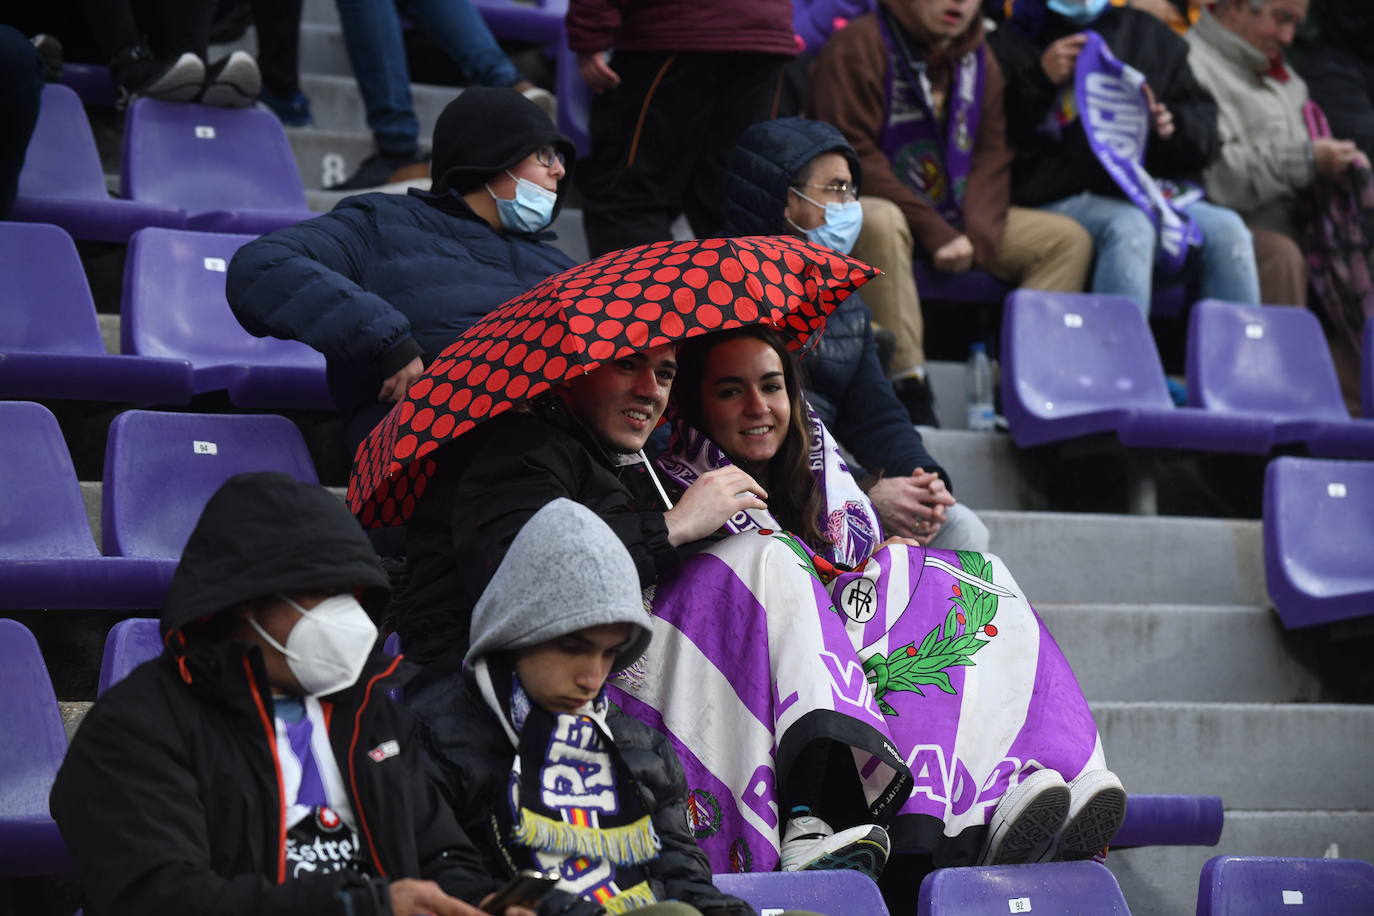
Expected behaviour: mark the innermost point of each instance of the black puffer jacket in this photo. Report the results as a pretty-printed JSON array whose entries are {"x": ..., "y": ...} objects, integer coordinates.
[
  {"x": 477, "y": 755},
  {"x": 489, "y": 483},
  {"x": 845, "y": 381},
  {"x": 1046, "y": 168},
  {"x": 169, "y": 798}
]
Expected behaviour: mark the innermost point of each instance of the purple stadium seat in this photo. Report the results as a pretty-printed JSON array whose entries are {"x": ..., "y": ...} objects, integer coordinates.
[
  {"x": 1319, "y": 539},
  {"x": 1274, "y": 886},
  {"x": 30, "y": 754},
  {"x": 47, "y": 556},
  {"x": 978, "y": 287},
  {"x": 1171, "y": 820},
  {"x": 174, "y": 306},
  {"x": 816, "y": 20},
  {"x": 1273, "y": 362},
  {"x": 1078, "y": 365},
  {"x": 94, "y": 83},
  {"x": 1051, "y": 887},
  {"x": 1367, "y": 371},
  {"x": 526, "y": 20},
  {"x": 50, "y": 345},
  {"x": 63, "y": 181},
  {"x": 830, "y": 893},
  {"x": 129, "y": 644},
  {"x": 161, "y": 469},
  {"x": 574, "y": 98},
  {"x": 230, "y": 169}
]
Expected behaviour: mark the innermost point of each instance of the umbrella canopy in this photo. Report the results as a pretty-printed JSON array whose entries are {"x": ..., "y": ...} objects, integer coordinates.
[{"x": 573, "y": 322}]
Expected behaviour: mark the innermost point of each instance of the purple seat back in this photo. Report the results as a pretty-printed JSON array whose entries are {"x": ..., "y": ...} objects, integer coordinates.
[
  {"x": 574, "y": 99},
  {"x": 526, "y": 20},
  {"x": 41, "y": 510},
  {"x": 207, "y": 159},
  {"x": 45, "y": 302},
  {"x": 94, "y": 83},
  {"x": 975, "y": 287},
  {"x": 1053, "y": 887},
  {"x": 816, "y": 20},
  {"x": 174, "y": 305},
  {"x": 1367, "y": 371},
  {"x": 1270, "y": 360},
  {"x": 129, "y": 644},
  {"x": 62, "y": 160},
  {"x": 161, "y": 469},
  {"x": 1319, "y": 539},
  {"x": 834, "y": 893},
  {"x": 30, "y": 754},
  {"x": 1171, "y": 820},
  {"x": 1065, "y": 353},
  {"x": 1274, "y": 886}
]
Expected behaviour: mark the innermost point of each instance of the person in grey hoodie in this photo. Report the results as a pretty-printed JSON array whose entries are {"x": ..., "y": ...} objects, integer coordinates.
[{"x": 563, "y": 613}]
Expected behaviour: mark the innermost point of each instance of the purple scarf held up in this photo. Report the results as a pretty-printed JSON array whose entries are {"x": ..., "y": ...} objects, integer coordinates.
[
  {"x": 933, "y": 159},
  {"x": 1111, "y": 102}
]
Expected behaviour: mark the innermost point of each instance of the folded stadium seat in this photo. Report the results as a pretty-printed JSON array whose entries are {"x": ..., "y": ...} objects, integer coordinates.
[
  {"x": 1319, "y": 539},
  {"x": 63, "y": 181},
  {"x": 1273, "y": 362},
  {"x": 94, "y": 83},
  {"x": 1171, "y": 820},
  {"x": 833, "y": 892},
  {"x": 1265, "y": 885},
  {"x": 174, "y": 306},
  {"x": 1076, "y": 365},
  {"x": 1050, "y": 887},
  {"x": 129, "y": 644},
  {"x": 32, "y": 749},
  {"x": 161, "y": 469},
  {"x": 48, "y": 558},
  {"x": 230, "y": 169},
  {"x": 50, "y": 344},
  {"x": 574, "y": 98}
]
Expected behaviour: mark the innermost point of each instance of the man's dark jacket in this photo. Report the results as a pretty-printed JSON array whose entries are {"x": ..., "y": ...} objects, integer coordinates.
[
  {"x": 476, "y": 757},
  {"x": 845, "y": 382},
  {"x": 489, "y": 483},
  {"x": 380, "y": 280},
  {"x": 1047, "y": 168},
  {"x": 169, "y": 798}
]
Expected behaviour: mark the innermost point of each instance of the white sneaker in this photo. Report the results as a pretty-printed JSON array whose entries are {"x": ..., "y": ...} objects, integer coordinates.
[
  {"x": 809, "y": 844},
  {"x": 1026, "y": 820},
  {"x": 1097, "y": 807},
  {"x": 545, "y": 100}
]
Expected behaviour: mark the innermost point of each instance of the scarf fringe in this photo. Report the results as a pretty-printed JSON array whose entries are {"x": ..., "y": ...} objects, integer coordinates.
[
  {"x": 630, "y": 844},
  {"x": 630, "y": 899}
]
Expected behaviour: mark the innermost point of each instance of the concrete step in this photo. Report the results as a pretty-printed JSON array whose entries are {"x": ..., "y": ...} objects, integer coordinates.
[
  {"x": 1163, "y": 880},
  {"x": 322, "y": 48},
  {"x": 1256, "y": 756},
  {"x": 337, "y": 105},
  {"x": 1087, "y": 558},
  {"x": 987, "y": 470},
  {"x": 327, "y": 156},
  {"x": 320, "y": 12},
  {"x": 1119, "y": 651}
]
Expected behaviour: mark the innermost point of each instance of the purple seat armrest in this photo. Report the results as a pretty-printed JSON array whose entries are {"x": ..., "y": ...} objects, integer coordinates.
[{"x": 1171, "y": 820}]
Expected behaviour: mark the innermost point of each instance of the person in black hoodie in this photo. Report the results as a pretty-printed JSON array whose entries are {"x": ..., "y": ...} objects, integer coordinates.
[
  {"x": 776, "y": 176},
  {"x": 384, "y": 282},
  {"x": 1339, "y": 69},
  {"x": 258, "y": 767}
]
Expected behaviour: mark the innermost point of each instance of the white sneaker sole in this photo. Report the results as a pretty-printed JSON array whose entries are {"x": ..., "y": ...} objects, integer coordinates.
[
  {"x": 1026, "y": 819},
  {"x": 1097, "y": 809},
  {"x": 237, "y": 85}
]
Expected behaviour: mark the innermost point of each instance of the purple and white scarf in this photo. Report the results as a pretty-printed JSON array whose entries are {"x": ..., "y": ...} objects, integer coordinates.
[
  {"x": 1110, "y": 100},
  {"x": 934, "y": 160}
]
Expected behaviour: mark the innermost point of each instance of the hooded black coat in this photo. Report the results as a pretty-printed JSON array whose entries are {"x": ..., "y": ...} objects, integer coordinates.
[
  {"x": 169, "y": 799},
  {"x": 845, "y": 382}
]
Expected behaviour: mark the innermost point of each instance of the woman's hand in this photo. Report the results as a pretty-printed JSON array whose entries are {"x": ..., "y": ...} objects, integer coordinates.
[
  {"x": 712, "y": 499},
  {"x": 1060, "y": 57}
]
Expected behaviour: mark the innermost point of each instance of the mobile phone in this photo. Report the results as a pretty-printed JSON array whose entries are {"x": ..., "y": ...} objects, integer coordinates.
[{"x": 525, "y": 889}]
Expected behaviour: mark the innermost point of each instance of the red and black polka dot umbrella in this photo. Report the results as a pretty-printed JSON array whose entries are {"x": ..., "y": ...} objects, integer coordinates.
[{"x": 573, "y": 322}]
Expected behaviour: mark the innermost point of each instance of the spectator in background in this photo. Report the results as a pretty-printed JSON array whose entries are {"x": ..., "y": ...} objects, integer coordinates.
[
  {"x": 384, "y": 282},
  {"x": 676, "y": 83},
  {"x": 21, "y": 93},
  {"x": 257, "y": 765},
  {"x": 278, "y": 34},
  {"x": 372, "y": 33},
  {"x": 1339, "y": 69},
  {"x": 798, "y": 177},
  {"x": 902, "y": 84},
  {"x": 1064, "y": 168}
]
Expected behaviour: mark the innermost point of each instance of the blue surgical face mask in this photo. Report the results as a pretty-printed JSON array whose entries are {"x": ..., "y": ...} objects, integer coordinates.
[
  {"x": 841, "y": 227},
  {"x": 529, "y": 211},
  {"x": 1080, "y": 13}
]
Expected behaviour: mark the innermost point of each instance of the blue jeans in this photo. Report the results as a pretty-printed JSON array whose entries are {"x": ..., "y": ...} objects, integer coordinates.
[
  {"x": 372, "y": 32},
  {"x": 1124, "y": 245}
]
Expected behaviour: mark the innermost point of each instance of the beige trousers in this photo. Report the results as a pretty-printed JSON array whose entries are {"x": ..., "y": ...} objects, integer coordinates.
[{"x": 1039, "y": 250}]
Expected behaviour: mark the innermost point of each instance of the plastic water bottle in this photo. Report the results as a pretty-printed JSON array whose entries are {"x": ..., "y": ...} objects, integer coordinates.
[{"x": 978, "y": 382}]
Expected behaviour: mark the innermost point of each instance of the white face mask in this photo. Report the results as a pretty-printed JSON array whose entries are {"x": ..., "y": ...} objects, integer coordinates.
[{"x": 328, "y": 646}]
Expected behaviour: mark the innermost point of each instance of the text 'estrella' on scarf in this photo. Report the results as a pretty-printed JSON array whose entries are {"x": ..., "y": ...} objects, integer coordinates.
[{"x": 1110, "y": 100}]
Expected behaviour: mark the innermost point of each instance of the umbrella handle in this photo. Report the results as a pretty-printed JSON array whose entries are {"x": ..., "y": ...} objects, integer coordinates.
[{"x": 649, "y": 466}]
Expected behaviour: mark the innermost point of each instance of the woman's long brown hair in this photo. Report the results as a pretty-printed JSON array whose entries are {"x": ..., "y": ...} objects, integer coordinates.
[{"x": 794, "y": 497}]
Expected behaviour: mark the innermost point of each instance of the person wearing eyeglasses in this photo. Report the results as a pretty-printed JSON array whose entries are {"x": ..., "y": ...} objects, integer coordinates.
[
  {"x": 384, "y": 282},
  {"x": 800, "y": 177}
]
